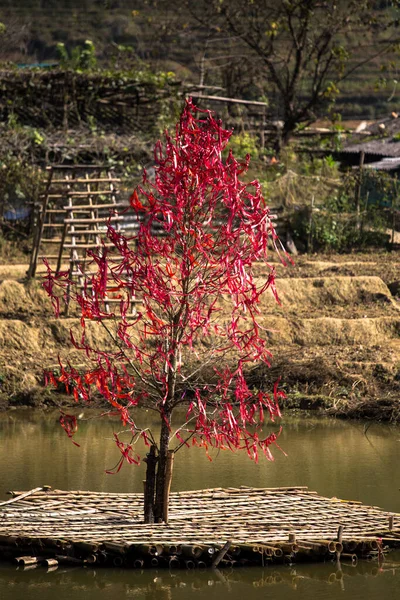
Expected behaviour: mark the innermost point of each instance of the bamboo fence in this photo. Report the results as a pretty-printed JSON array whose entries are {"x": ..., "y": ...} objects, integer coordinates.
[
  {"x": 212, "y": 527},
  {"x": 58, "y": 98}
]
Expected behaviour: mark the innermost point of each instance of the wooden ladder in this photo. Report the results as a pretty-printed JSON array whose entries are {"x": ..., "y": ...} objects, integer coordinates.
[{"x": 77, "y": 203}]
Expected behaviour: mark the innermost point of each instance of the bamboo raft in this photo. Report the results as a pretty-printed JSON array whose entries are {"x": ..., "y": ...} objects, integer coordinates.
[{"x": 213, "y": 527}]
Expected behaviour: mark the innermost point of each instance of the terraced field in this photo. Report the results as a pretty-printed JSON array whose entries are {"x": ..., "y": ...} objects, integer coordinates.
[{"x": 335, "y": 338}]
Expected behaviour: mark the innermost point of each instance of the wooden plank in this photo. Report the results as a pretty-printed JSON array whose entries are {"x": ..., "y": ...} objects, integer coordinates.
[
  {"x": 73, "y": 193},
  {"x": 79, "y": 246},
  {"x": 90, "y": 180},
  {"x": 52, "y": 256},
  {"x": 229, "y": 100},
  {"x": 76, "y": 168},
  {"x": 97, "y": 220},
  {"x": 88, "y": 232},
  {"x": 111, "y": 300},
  {"x": 95, "y": 206}
]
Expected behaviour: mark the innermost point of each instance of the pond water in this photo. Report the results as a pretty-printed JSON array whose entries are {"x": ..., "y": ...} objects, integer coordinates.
[{"x": 350, "y": 460}]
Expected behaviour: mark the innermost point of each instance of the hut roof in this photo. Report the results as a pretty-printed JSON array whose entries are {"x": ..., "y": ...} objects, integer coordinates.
[
  {"x": 386, "y": 164},
  {"x": 389, "y": 148},
  {"x": 388, "y": 143}
]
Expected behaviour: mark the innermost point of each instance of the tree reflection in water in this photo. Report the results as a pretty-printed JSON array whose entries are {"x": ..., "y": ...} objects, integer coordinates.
[{"x": 322, "y": 581}]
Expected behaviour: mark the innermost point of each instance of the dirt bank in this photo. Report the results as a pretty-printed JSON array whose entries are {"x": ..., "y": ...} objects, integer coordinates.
[{"x": 335, "y": 338}]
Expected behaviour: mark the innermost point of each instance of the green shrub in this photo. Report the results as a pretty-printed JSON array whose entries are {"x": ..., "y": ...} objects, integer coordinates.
[{"x": 242, "y": 144}]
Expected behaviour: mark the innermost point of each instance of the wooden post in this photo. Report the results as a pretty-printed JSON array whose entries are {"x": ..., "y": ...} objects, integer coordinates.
[
  {"x": 310, "y": 223},
  {"x": 364, "y": 211},
  {"x": 220, "y": 555},
  {"x": 39, "y": 228},
  {"x": 357, "y": 194},
  {"x": 150, "y": 485},
  {"x": 161, "y": 468},
  {"x": 60, "y": 251},
  {"x": 168, "y": 480},
  {"x": 340, "y": 533},
  {"x": 394, "y": 202},
  {"x": 65, "y": 109},
  {"x": 262, "y": 130}
]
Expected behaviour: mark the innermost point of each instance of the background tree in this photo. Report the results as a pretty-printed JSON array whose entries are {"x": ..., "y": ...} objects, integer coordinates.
[
  {"x": 304, "y": 49},
  {"x": 14, "y": 39},
  {"x": 196, "y": 328}
]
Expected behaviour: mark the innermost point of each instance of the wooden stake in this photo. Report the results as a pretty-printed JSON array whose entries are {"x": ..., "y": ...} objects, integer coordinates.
[
  {"x": 168, "y": 479},
  {"x": 149, "y": 485},
  {"x": 358, "y": 189},
  {"x": 220, "y": 555},
  {"x": 310, "y": 224},
  {"x": 340, "y": 533}
]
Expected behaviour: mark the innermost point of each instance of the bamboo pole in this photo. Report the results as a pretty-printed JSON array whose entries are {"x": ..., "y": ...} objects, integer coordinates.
[
  {"x": 50, "y": 563},
  {"x": 69, "y": 560},
  {"x": 350, "y": 557},
  {"x": 189, "y": 564},
  {"x": 138, "y": 563},
  {"x": 21, "y": 496},
  {"x": 26, "y": 560},
  {"x": 116, "y": 548},
  {"x": 192, "y": 551},
  {"x": 174, "y": 563},
  {"x": 118, "y": 561}
]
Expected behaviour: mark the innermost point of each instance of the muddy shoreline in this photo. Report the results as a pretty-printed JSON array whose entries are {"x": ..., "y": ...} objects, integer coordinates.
[{"x": 373, "y": 409}]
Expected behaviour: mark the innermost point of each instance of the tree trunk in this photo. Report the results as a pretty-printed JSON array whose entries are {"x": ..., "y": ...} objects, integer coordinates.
[
  {"x": 167, "y": 485},
  {"x": 161, "y": 469},
  {"x": 285, "y": 133},
  {"x": 150, "y": 485}
]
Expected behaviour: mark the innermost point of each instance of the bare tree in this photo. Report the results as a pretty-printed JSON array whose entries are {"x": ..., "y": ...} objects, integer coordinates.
[
  {"x": 14, "y": 39},
  {"x": 303, "y": 49}
]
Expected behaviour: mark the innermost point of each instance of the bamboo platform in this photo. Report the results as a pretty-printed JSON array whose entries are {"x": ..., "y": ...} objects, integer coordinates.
[{"x": 214, "y": 527}]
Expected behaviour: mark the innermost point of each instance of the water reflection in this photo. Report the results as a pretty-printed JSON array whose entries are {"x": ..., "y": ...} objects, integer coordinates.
[{"x": 323, "y": 581}]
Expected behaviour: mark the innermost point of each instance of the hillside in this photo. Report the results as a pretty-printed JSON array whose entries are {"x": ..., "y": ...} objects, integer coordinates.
[{"x": 128, "y": 32}]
